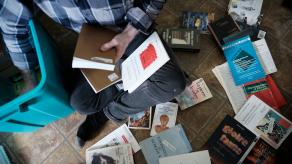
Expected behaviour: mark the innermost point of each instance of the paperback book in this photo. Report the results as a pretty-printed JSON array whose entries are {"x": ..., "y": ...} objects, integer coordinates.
[
  {"x": 121, "y": 135},
  {"x": 231, "y": 142},
  {"x": 264, "y": 121},
  {"x": 262, "y": 152},
  {"x": 193, "y": 94},
  {"x": 119, "y": 154},
  {"x": 197, "y": 20},
  {"x": 164, "y": 117},
  {"x": 140, "y": 120},
  {"x": 222, "y": 28},
  {"x": 167, "y": 143},
  {"x": 182, "y": 39},
  {"x": 199, "y": 157},
  {"x": 243, "y": 61}
]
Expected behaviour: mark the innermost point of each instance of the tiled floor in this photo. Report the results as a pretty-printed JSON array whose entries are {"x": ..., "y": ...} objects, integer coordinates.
[{"x": 55, "y": 143}]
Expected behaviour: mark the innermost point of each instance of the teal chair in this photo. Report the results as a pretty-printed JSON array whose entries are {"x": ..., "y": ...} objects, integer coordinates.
[{"x": 48, "y": 101}]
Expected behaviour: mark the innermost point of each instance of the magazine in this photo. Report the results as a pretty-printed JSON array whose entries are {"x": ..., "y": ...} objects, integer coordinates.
[
  {"x": 199, "y": 157},
  {"x": 121, "y": 135},
  {"x": 197, "y": 20},
  {"x": 264, "y": 121},
  {"x": 167, "y": 143},
  {"x": 120, "y": 154},
  {"x": 164, "y": 117},
  {"x": 193, "y": 94},
  {"x": 141, "y": 120}
]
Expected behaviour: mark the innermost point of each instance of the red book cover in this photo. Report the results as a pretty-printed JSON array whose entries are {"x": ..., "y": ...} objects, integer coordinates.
[
  {"x": 281, "y": 101},
  {"x": 266, "y": 90}
]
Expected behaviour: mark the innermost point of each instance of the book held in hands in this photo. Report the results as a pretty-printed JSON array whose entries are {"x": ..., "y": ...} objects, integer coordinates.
[
  {"x": 193, "y": 94},
  {"x": 164, "y": 117},
  {"x": 167, "y": 143}
]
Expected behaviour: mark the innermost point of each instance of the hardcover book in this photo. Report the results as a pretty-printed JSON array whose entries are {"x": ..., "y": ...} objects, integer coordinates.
[
  {"x": 197, "y": 20},
  {"x": 193, "y": 94},
  {"x": 121, "y": 135},
  {"x": 182, "y": 39},
  {"x": 164, "y": 117},
  {"x": 140, "y": 120},
  {"x": 243, "y": 61},
  {"x": 168, "y": 143},
  {"x": 264, "y": 121},
  {"x": 231, "y": 142},
  {"x": 223, "y": 28},
  {"x": 199, "y": 157},
  {"x": 120, "y": 154}
]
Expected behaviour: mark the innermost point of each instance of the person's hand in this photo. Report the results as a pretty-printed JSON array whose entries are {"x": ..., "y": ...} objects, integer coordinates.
[{"x": 121, "y": 41}]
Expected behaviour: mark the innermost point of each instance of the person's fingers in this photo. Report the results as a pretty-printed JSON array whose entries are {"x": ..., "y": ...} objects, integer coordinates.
[{"x": 109, "y": 45}]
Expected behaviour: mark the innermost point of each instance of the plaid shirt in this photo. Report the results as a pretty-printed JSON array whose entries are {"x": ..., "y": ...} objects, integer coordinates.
[{"x": 72, "y": 14}]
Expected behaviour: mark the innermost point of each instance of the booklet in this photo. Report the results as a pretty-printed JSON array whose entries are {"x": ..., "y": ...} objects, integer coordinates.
[
  {"x": 168, "y": 143},
  {"x": 143, "y": 62},
  {"x": 264, "y": 121},
  {"x": 164, "y": 117},
  {"x": 141, "y": 120},
  {"x": 193, "y": 94},
  {"x": 120, "y": 154},
  {"x": 121, "y": 135},
  {"x": 231, "y": 142},
  {"x": 243, "y": 61},
  {"x": 199, "y": 157}
]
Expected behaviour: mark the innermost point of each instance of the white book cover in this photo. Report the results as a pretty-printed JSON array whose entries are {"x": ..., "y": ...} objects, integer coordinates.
[
  {"x": 143, "y": 62},
  {"x": 265, "y": 56},
  {"x": 121, "y": 135},
  {"x": 249, "y": 9},
  {"x": 193, "y": 94},
  {"x": 199, "y": 157},
  {"x": 141, "y": 120},
  {"x": 234, "y": 93},
  {"x": 120, "y": 154},
  {"x": 164, "y": 117},
  {"x": 264, "y": 121}
]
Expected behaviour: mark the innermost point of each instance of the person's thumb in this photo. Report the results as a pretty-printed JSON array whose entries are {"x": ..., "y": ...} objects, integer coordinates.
[{"x": 109, "y": 45}]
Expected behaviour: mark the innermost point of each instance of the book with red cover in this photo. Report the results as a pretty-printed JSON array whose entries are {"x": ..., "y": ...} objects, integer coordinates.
[{"x": 266, "y": 90}]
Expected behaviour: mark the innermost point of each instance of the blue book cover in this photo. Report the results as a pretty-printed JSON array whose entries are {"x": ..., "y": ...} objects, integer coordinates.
[
  {"x": 170, "y": 142},
  {"x": 243, "y": 61}
]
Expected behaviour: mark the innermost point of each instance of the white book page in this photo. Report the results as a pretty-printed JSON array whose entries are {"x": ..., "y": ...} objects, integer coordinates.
[
  {"x": 134, "y": 72},
  {"x": 164, "y": 117},
  {"x": 121, "y": 135},
  {"x": 265, "y": 56},
  {"x": 234, "y": 93},
  {"x": 82, "y": 63},
  {"x": 199, "y": 157},
  {"x": 251, "y": 113}
]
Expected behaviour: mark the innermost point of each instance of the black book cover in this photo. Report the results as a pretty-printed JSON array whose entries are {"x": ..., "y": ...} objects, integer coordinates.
[
  {"x": 230, "y": 141},
  {"x": 223, "y": 28}
]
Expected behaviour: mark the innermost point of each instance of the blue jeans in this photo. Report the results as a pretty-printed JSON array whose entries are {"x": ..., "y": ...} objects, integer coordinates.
[{"x": 161, "y": 87}]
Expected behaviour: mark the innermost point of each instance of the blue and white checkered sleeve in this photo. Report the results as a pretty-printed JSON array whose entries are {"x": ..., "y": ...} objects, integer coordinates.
[
  {"x": 143, "y": 18},
  {"x": 14, "y": 19}
]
